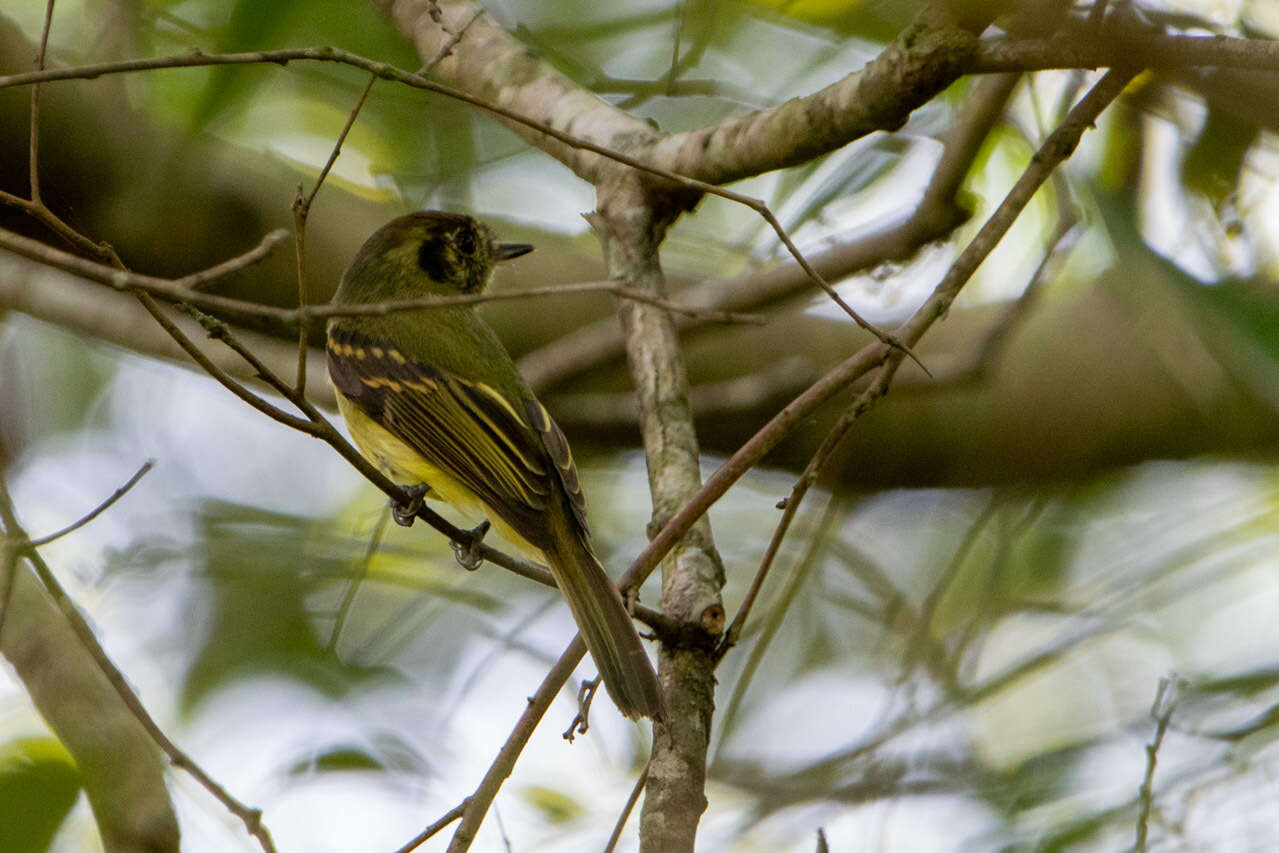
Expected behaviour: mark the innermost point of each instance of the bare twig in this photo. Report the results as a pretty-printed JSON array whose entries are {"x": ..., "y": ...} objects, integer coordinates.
[
  {"x": 62, "y": 229},
  {"x": 1059, "y": 145},
  {"x": 426, "y": 834},
  {"x": 99, "y": 509},
  {"x": 803, "y": 569},
  {"x": 936, "y": 216},
  {"x": 186, "y": 289},
  {"x": 353, "y": 585},
  {"x": 387, "y": 71},
  {"x": 33, "y": 159},
  {"x": 478, "y": 803},
  {"x": 447, "y": 49},
  {"x": 763, "y": 210},
  {"x": 625, "y": 815},
  {"x": 204, "y": 278},
  {"x": 991, "y": 56},
  {"x": 865, "y": 401},
  {"x": 218, "y": 374},
  {"x": 251, "y": 817},
  {"x": 301, "y": 210},
  {"x": 1161, "y": 711},
  {"x": 501, "y": 829},
  {"x": 9, "y": 550}
]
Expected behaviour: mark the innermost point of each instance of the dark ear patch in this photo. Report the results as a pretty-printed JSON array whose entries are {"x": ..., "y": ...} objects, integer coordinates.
[
  {"x": 466, "y": 240},
  {"x": 431, "y": 257}
]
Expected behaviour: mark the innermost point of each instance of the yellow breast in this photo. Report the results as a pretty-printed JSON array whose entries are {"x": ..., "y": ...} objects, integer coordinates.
[{"x": 407, "y": 467}]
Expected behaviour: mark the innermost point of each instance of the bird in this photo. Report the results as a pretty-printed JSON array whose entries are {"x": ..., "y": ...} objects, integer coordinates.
[{"x": 433, "y": 399}]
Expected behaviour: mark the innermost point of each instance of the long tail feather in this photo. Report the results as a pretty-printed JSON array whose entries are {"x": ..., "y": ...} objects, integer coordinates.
[{"x": 606, "y": 628}]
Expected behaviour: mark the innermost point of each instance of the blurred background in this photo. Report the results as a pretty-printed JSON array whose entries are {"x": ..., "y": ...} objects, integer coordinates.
[{"x": 969, "y": 627}]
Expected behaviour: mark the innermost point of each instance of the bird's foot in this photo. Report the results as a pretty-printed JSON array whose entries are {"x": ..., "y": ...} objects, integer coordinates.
[
  {"x": 405, "y": 512},
  {"x": 468, "y": 553}
]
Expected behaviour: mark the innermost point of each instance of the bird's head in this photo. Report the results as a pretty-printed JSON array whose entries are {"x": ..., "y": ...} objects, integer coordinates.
[{"x": 429, "y": 252}]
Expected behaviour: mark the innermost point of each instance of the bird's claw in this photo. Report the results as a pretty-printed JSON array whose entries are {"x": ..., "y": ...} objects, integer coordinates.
[
  {"x": 468, "y": 553},
  {"x": 405, "y": 512}
]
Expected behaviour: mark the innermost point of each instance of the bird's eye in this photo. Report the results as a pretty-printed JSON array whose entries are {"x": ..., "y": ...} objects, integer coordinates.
[{"x": 466, "y": 242}]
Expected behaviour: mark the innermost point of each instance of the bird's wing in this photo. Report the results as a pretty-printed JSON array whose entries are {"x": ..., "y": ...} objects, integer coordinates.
[{"x": 465, "y": 428}]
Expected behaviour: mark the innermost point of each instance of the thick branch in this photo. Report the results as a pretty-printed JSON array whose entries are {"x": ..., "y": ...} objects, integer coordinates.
[
  {"x": 630, "y": 231},
  {"x": 880, "y": 96},
  {"x": 120, "y": 767}
]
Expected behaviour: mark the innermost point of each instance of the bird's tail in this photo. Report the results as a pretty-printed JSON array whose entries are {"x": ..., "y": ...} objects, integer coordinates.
[{"x": 605, "y": 626}]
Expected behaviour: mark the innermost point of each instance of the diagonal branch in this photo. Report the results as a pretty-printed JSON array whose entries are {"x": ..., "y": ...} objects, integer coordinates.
[
  {"x": 251, "y": 817},
  {"x": 1059, "y": 145},
  {"x": 98, "y": 510},
  {"x": 936, "y": 216}
]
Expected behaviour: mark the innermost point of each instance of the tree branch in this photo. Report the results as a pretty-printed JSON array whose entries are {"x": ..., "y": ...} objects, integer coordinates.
[
  {"x": 188, "y": 288},
  {"x": 75, "y": 717},
  {"x": 936, "y": 216}
]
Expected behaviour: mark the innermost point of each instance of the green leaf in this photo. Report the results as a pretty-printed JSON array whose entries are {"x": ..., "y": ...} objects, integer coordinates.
[
  {"x": 261, "y": 570},
  {"x": 385, "y": 753},
  {"x": 556, "y": 807},
  {"x": 255, "y": 25},
  {"x": 1216, "y": 158},
  {"x": 39, "y": 783}
]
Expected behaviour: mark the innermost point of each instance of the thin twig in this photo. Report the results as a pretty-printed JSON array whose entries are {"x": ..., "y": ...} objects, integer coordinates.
[
  {"x": 478, "y": 803},
  {"x": 33, "y": 158},
  {"x": 426, "y": 834},
  {"x": 218, "y": 374},
  {"x": 204, "y": 278},
  {"x": 802, "y": 570},
  {"x": 299, "y": 252},
  {"x": 865, "y": 401},
  {"x": 762, "y": 209},
  {"x": 186, "y": 289},
  {"x": 301, "y": 210},
  {"x": 988, "y": 56},
  {"x": 444, "y": 52},
  {"x": 62, "y": 229},
  {"x": 616, "y": 835},
  {"x": 387, "y": 71},
  {"x": 99, "y": 509},
  {"x": 1162, "y": 710},
  {"x": 9, "y": 550},
  {"x": 1059, "y": 145},
  {"x": 501, "y": 828},
  {"x": 379, "y": 309},
  {"x": 353, "y": 585},
  {"x": 251, "y": 817}
]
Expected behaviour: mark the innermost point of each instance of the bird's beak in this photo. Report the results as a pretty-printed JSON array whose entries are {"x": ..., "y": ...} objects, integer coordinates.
[{"x": 507, "y": 251}]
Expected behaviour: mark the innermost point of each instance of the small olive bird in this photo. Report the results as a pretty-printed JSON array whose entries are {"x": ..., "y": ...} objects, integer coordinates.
[{"x": 434, "y": 400}]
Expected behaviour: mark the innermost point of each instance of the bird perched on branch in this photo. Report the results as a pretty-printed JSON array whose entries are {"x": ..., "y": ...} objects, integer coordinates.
[{"x": 434, "y": 400}]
